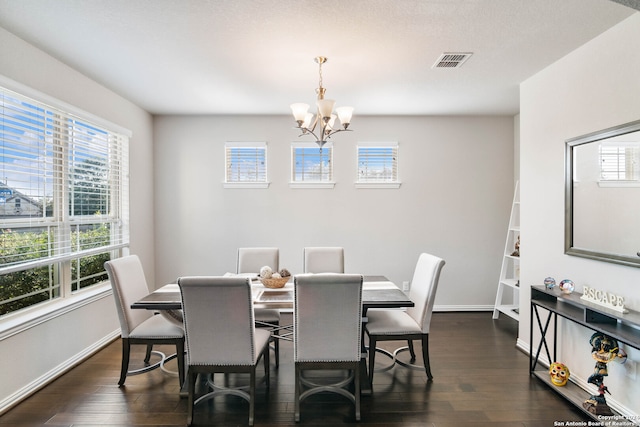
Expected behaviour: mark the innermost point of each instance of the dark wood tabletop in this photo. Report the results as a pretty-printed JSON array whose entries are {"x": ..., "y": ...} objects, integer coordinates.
[{"x": 375, "y": 294}]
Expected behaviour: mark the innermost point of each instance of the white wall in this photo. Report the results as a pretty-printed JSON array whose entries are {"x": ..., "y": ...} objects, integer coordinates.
[
  {"x": 30, "y": 358},
  {"x": 455, "y": 199},
  {"x": 594, "y": 87}
]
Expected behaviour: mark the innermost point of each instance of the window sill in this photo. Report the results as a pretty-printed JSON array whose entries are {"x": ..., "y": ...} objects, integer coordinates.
[
  {"x": 12, "y": 324},
  {"x": 246, "y": 184},
  {"x": 621, "y": 184},
  {"x": 378, "y": 184},
  {"x": 312, "y": 185}
]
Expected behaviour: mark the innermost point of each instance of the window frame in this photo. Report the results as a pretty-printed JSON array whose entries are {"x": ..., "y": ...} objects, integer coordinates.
[
  {"x": 327, "y": 184},
  {"x": 389, "y": 184},
  {"x": 70, "y": 298},
  {"x": 260, "y": 145}
]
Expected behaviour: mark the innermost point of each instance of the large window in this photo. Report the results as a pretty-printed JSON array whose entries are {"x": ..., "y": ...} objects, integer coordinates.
[
  {"x": 63, "y": 200},
  {"x": 246, "y": 164},
  {"x": 311, "y": 164}
]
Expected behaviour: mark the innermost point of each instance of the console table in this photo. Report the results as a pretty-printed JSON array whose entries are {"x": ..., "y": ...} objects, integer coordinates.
[{"x": 622, "y": 327}]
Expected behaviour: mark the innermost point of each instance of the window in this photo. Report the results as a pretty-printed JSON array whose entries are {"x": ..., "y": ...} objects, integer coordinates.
[
  {"x": 620, "y": 162},
  {"x": 246, "y": 164},
  {"x": 378, "y": 165},
  {"x": 312, "y": 166},
  {"x": 67, "y": 174}
]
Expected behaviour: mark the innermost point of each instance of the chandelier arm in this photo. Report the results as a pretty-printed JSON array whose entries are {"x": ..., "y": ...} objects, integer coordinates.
[{"x": 307, "y": 131}]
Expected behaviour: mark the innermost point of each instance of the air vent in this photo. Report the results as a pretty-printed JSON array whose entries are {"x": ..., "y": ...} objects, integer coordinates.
[{"x": 452, "y": 59}]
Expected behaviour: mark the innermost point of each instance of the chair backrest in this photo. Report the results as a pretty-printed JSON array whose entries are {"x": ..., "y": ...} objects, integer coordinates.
[
  {"x": 324, "y": 260},
  {"x": 327, "y": 321},
  {"x": 218, "y": 320},
  {"x": 423, "y": 289},
  {"x": 129, "y": 285},
  {"x": 251, "y": 260}
]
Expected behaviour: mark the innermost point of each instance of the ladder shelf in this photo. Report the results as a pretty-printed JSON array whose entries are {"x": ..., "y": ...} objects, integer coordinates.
[{"x": 508, "y": 293}]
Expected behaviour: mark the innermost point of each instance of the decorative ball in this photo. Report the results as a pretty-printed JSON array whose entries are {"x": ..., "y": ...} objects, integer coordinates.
[
  {"x": 276, "y": 276},
  {"x": 549, "y": 282},
  {"x": 566, "y": 286},
  {"x": 266, "y": 272},
  {"x": 559, "y": 373},
  {"x": 284, "y": 273}
]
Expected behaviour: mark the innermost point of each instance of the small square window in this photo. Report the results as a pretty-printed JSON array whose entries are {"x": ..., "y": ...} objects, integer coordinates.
[
  {"x": 312, "y": 165},
  {"x": 246, "y": 164},
  {"x": 378, "y": 165}
]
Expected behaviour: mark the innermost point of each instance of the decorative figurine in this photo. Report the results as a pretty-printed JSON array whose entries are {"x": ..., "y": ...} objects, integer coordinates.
[
  {"x": 604, "y": 349},
  {"x": 549, "y": 282},
  {"x": 559, "y": 373},
  {"x": 566, "y": 286},
  {"x": 517, "y": 247}
]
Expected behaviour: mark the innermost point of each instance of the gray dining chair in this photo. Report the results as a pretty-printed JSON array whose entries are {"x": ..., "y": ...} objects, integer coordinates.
[
  {"x": 412, "y": 324},
  {"x": 327, "y": 333},
  {"x": 221, "y": 336},
  {"x": 323, "y": 260},
  {"x": 129, "y": 284},
  {"x": 251, "y": 260}
]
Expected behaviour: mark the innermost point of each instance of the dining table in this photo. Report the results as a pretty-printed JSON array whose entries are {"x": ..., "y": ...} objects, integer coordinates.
[{"x": 377, "y": 292}]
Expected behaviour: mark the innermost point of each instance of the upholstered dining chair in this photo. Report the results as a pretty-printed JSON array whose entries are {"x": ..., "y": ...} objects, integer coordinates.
[
  {"x": 251, "y": 260},
  {"x": 221, "y": 336},
  {"x": 323, "y": 260},
  {"x": 327, "y": 333},
  {"x": 412, "y": 324},
  {"x": 140, "y": 326}
]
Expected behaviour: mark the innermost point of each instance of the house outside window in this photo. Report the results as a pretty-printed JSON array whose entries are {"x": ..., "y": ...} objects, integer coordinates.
[
  {"x": 246, "y": 165},
  {"x": 377, "y": 165},
  {"x": 67, "y": 173},
  {"x": 311, "y": 166}
]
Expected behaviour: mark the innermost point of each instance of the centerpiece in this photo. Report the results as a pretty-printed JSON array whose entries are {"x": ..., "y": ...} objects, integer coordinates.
[{"x": 274, "y": 279}]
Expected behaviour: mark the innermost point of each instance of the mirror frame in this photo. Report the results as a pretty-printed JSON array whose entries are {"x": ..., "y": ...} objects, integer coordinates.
[{"x": 570, "y": 144}]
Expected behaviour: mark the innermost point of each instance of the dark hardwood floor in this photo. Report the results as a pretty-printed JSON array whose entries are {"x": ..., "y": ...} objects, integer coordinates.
[{"x": 480, "y": 380}]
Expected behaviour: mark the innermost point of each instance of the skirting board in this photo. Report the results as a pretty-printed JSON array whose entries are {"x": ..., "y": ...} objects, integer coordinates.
[
  {"x": 443, "y": 308},
  {"x": 53, "y": 374}
]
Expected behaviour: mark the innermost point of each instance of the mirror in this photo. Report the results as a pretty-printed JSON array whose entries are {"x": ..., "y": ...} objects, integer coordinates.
[{"x": 602, "y": 195}]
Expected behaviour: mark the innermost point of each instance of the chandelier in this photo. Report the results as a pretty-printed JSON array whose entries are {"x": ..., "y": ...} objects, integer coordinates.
[{"x": 324, "y": 118}]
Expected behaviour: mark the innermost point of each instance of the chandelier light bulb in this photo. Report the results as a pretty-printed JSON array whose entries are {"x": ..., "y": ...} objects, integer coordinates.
[
  {"x": 299, "y": 111},
  {"x": 344, "y": 114}
]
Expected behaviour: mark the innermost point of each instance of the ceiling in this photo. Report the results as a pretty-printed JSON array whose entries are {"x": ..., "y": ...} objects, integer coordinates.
[{"x": 256, "y": 56}]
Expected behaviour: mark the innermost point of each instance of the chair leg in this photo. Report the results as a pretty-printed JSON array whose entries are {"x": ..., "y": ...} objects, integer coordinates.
[
  {"x": 180, "y": 355},
  {"x": 357, "y": 392},
  {"x": 425, "y": 356},
  {"x": 267, "y": 367},
  {"x": 297, "y": 394},
  {"x": 192, "y": 390},
  {"x": 372, "y": 357},
  {"x": 252, "y": 393},
  {"x": 411, "y": 350},
  {"x": 126, "y": 348},
  {"x": 147, "y": 356},
  {"x": 276, "y": 347}
]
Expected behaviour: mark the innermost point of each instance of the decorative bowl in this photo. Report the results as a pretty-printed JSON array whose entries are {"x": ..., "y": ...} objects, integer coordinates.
[{"x": 275, "y": 283}]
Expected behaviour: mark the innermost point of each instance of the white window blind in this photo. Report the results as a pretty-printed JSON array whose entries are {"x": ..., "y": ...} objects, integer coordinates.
[
  {"x": 377, "y": 163},
  {"x": 245, "y": 162},
  {"x": 70, "y": 176},
  {"x": 310, "y": 163},
  {"x": 620, "y": 162}
]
